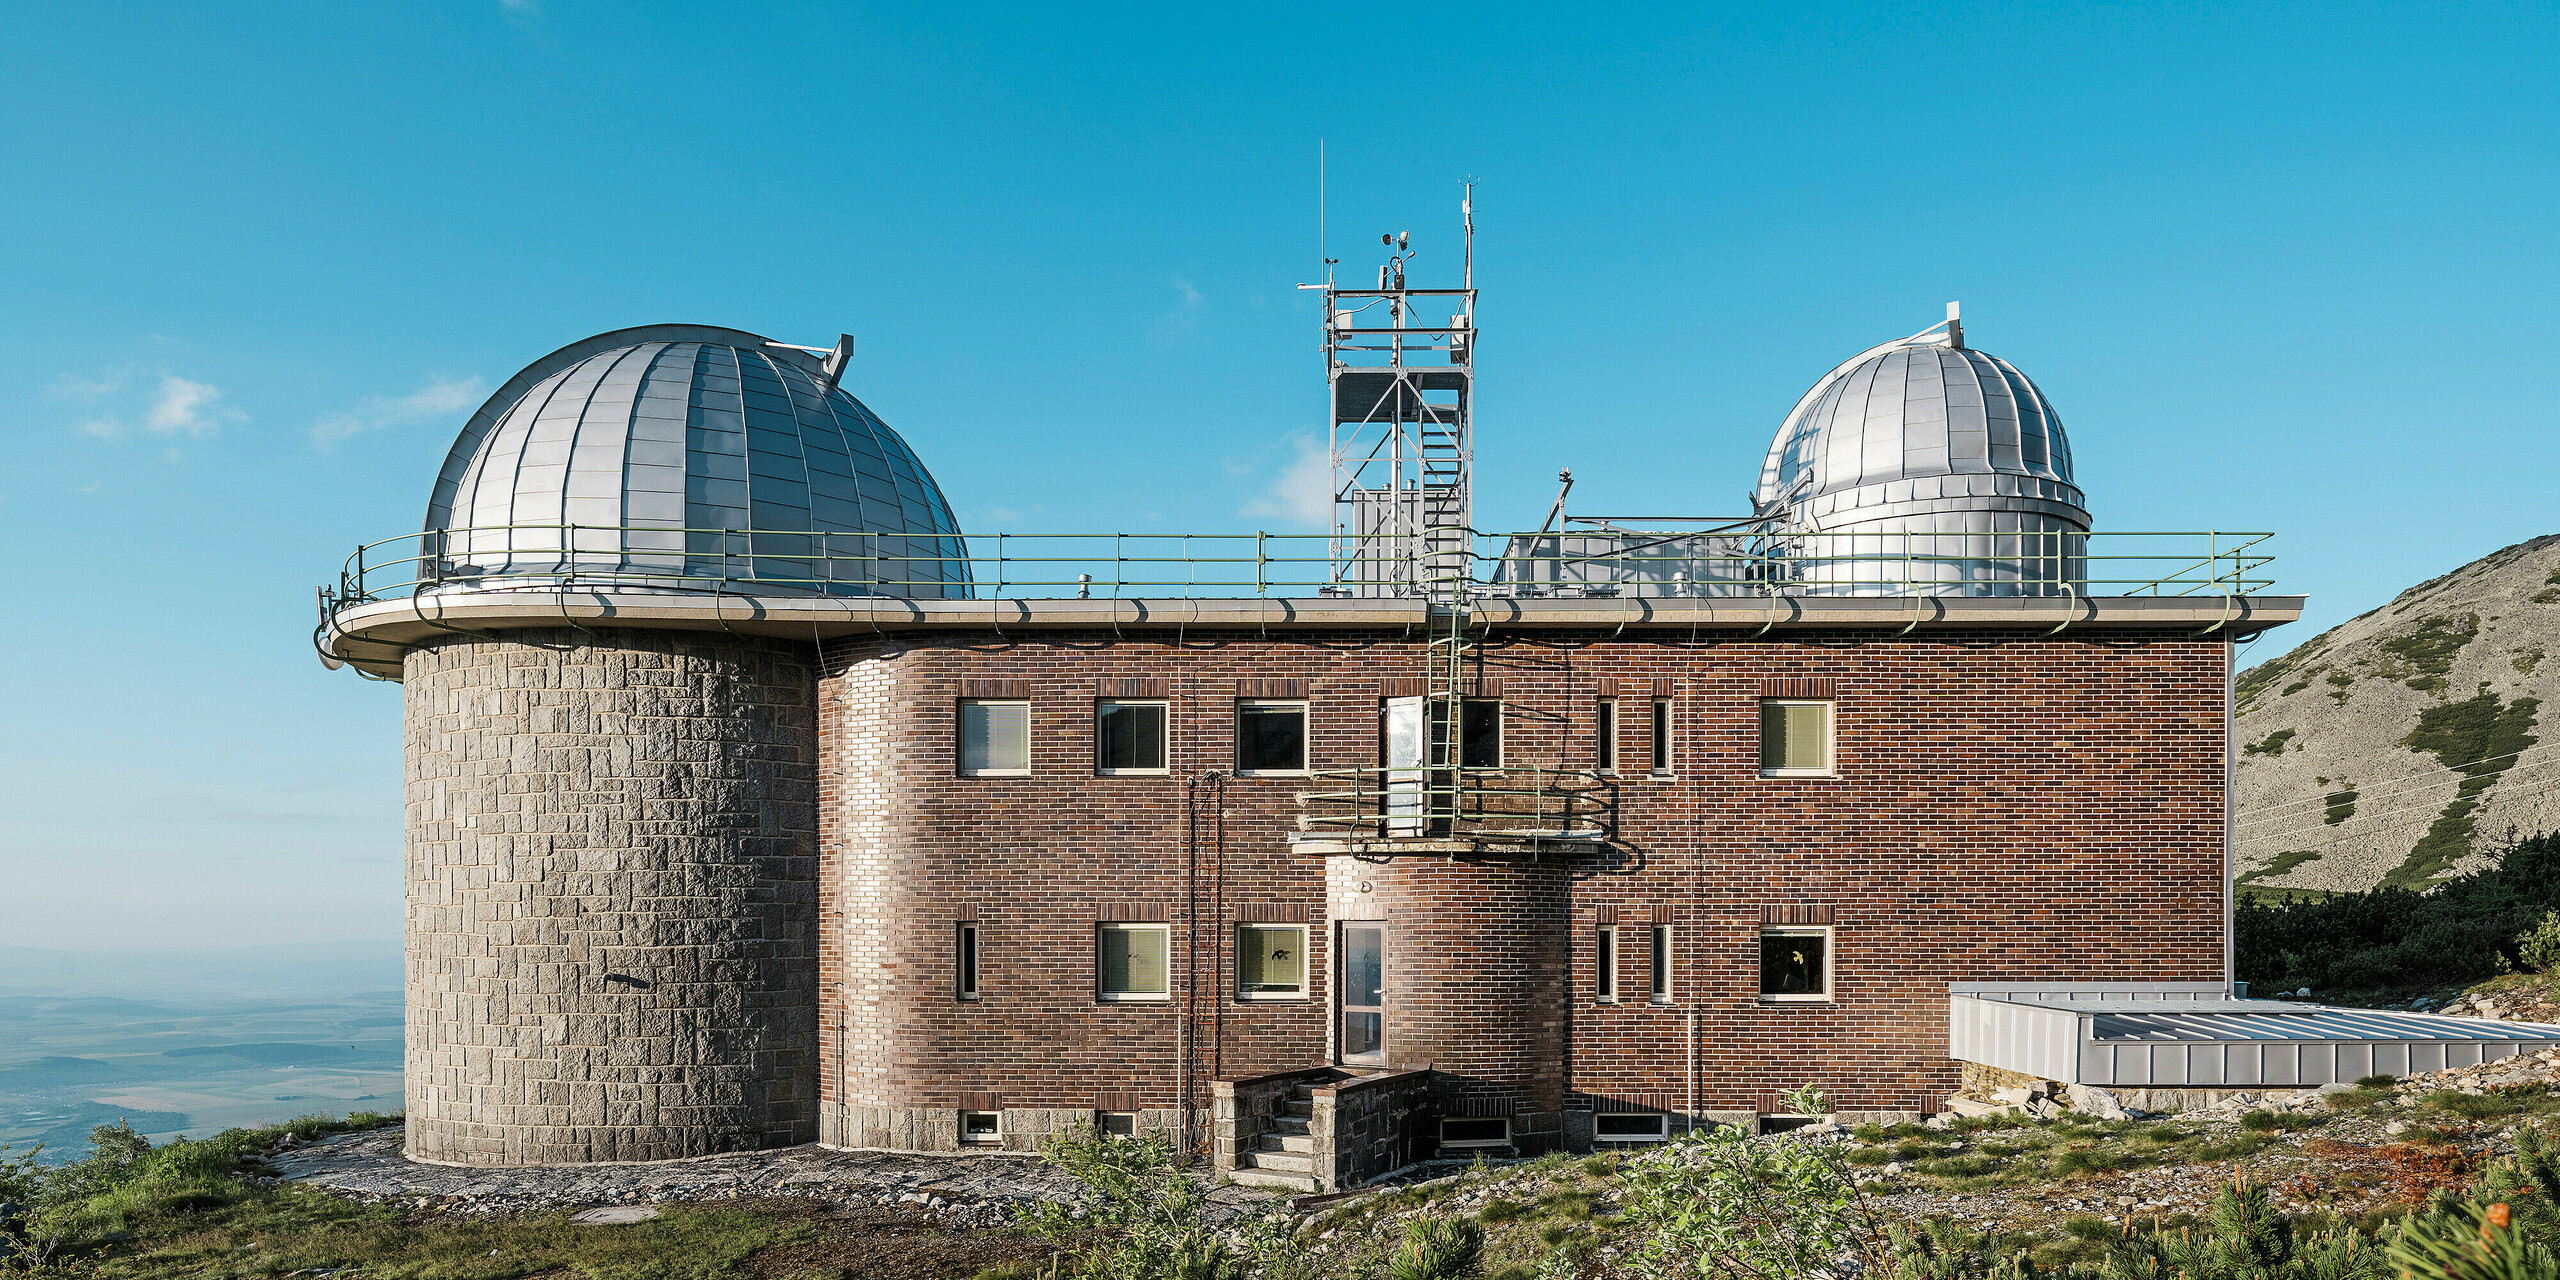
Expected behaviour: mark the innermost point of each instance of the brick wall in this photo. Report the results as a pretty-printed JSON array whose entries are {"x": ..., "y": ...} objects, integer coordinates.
[{"x": 2006, "y": 806}]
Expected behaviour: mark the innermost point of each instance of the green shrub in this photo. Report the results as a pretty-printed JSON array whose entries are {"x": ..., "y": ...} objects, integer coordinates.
[
  {"x": 2090, "y": 1160},
  {"x": 1911, "y": 1151},
  {"x": 2376, "y": 1082},
  {"x": 2475, "y": 1106},
  {"x": 2539, "y": 948},
  {"x": 1555, "y": 1234},
  {"x": 1437, "y": 1249},
  {"x": 2274, "y": 1122},
  {"x": 2088, "y": 1227},
  {"x": 1501, "y": 1210},
  {"x": 1870, "y": 1155},
  {"x": 2466, "y": 928},
  {"x": 1959, "y": 1167}
]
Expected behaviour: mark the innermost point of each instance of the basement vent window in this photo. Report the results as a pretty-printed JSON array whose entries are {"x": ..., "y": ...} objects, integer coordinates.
[
  {"x": 1795, "y": 964},
  {"x": 995, "y": 739},
  {"x": 1648, "y": 1126},
  {"x": 1271, "y": 737},
  {"x": 1116, "y": 1124},
  {"x": 1474, "y": 1132},
  {"x": 1133, "y": 961},
  {"x": 1271, "y": 962},
  {"x": 981, "y": 1128},
  {"x": 1128, "y": 737}
]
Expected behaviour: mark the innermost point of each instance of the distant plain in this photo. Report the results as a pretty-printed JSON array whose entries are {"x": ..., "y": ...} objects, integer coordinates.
[{"x": 193, "y": 1042}]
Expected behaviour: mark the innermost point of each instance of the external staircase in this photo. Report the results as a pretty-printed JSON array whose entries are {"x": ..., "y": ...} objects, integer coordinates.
[{"x": 1285, "y": 1153}]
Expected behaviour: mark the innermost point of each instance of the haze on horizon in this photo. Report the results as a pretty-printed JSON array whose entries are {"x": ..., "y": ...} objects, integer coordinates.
[{"x": 2285, "y": 268}]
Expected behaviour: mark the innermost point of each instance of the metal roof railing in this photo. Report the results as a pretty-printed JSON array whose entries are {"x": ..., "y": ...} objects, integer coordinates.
[{"x": 1154, "y": 565}]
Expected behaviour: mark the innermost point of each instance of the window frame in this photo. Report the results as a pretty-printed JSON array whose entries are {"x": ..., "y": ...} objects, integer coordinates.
[
  {"x": 1257, "y": 997},
  {"x": 1102, "y": 1123},
  {"x": 960, "y": 733},
  {"x": 1448, "y": 1143},
  {"x": 1662, "y": 761},
  {"x": 1164, "y": 744},
  {"x": 1605, "y": 736},
  {"x": 966, "y": 976},
  {"x": 1661, "y": 1126},
  {"x": 1658, "y": 974},
  {"x": 1102, "y": 928},
  {"x": 1306, "y": 734},
  {"x": 1604, "y": 964},
  {"x": 1343, "y": 1008},
  {"x": 994, "y": 1136},
  {"x": 1499, "y": 735},
  {"x": 1830, "y": 738},
  {"x": 1828, "y": 994}
]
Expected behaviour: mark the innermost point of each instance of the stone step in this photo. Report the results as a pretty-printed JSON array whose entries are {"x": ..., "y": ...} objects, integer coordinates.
[
  {"x": 1268, "y": 1178},
  {"x": 1290, "y": 1124},
  {"x": 1279, "y": 1161},
  {"x": 1297, "y": 1107},
  {"x": 1285, "y": 1142}
]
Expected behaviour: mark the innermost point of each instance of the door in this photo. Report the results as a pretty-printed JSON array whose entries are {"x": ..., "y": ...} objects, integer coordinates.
[
  {"x": 1401, "y": 746},
  {"x": 1363, "y": 998}
]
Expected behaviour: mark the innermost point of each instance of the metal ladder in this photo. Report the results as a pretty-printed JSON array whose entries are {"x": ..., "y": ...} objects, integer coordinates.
[{"x": 1447, "y": 605}]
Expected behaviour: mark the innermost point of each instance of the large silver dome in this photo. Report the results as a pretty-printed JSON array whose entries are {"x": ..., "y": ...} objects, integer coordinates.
[
  {"x": 1927, "y": 453},
  {"x": 671, "y": 453}
]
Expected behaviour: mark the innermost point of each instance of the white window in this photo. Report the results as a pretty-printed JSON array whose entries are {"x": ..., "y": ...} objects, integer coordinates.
[
  {"x": 981, "y": 1128},
  {"x": 1661, "y": 984},
  {"x": 1271, "y": 962},
  {"x": 995, "y": 738},
  {"x": 1607, "y": 754},
  {"x": 1132, "y": 961},
  {"x": 1604, "y": 965},
  {"x": 1795, "y": 738},
  {"x": 1116, "y": 1124},
  {"x": 1128, "y": 737},
  {"x": 1271, "y": 737},
  {"x": 1795, "y": 964},
  {"x": 1631, "y": 1126},
  {"x": 1472, "y": 1131}
]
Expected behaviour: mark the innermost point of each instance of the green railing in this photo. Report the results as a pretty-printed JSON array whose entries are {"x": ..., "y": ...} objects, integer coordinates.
[
  {"x": 1158, "y": 565},
  {"x": 1520, "y": 803}
]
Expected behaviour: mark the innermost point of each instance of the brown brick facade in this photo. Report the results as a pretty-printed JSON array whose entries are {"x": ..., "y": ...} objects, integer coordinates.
[{"x": 2004, "y": 806}]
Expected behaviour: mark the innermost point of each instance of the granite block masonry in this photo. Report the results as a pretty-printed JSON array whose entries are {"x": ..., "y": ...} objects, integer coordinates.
[{"x": 612, "y": 896}]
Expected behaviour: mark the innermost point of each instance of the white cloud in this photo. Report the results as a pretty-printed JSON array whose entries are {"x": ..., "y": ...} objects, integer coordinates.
[
  {"x": 176, "y": 407},
  {"x": 1302, "y": 494},
  {"x": 182, "y": 406},
  {"x": 1181, "y": 322},
  {"x": 439, "y": 397}
]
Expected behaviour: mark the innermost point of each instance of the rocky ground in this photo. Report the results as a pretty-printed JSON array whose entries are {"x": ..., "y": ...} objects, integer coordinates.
[{"x": 955, "y": 1191}]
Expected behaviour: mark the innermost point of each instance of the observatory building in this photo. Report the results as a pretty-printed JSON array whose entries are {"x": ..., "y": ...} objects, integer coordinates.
[{"x": 752, "y": 802}]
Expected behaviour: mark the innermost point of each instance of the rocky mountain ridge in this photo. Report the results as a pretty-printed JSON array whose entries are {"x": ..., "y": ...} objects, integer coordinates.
[{"x": 2399, "y": 746}]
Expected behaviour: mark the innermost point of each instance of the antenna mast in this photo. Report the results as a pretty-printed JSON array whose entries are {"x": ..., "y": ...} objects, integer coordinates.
[{"x": 1403, "y": 394}]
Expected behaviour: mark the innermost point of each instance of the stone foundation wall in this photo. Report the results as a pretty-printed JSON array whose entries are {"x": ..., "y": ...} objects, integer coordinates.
[{"x": 612, "y": 911}]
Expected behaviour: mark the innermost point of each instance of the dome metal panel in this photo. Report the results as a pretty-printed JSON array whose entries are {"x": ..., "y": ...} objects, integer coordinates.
[{"x": 686, "y": 452}]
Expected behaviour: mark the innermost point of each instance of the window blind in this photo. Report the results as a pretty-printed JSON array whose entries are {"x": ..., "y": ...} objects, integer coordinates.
[
  {"x": 995, "y": 737},
  {"x": 1794, "y": 735},
  {"x": 1134, "y": 960},
  {"x": 1270, "y": 959}
]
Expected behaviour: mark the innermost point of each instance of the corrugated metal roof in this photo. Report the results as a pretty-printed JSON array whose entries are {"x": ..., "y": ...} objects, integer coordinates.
[{"x": 2254, "y": 1020}]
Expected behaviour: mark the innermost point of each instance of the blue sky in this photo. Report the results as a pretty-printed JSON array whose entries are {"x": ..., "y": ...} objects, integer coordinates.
[{"x": 2279, "y": 267}]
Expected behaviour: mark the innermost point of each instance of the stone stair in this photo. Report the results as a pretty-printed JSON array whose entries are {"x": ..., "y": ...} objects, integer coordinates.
[{"x": 1284, "y": 1154}]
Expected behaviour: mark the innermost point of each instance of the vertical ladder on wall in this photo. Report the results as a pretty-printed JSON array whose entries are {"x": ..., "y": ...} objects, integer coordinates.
[{"x": 1447, "y": 604}]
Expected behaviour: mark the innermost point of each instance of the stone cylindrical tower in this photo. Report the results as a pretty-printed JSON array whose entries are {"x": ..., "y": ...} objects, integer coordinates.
[
  {"x": 612, "y": 749},
  {"x": 612, "y": 884}
]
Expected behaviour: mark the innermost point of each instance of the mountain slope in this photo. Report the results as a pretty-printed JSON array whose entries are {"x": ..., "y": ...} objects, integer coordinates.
[{"x": 2395, "y": 747}]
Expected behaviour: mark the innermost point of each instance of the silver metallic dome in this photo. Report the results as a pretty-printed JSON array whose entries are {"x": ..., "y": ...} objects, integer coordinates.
[
  {"x": 660, "y": 455},
  {"x": 1927, "y": 452}
]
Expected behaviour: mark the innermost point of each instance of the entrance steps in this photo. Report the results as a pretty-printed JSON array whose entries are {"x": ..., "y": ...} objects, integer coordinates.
[{"x": 1284, "y": 1155}]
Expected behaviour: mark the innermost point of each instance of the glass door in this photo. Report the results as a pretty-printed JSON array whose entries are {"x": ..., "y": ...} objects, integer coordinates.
[
  {"x": 1364, "y": 991},
  {"x": 1400, "y": 751}
]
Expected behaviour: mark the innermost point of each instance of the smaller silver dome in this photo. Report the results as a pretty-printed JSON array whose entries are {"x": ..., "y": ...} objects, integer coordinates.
[{"x": 1917, "y": 428}]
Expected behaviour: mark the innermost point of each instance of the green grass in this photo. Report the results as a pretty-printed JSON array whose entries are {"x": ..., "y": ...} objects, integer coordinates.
[
  {"x": 1501, "y": 1210},
  {"x": 2274, "y": 1122},
  {"x": 296, "y": 1229},
  {"x": 2476, "y": 1106},
  {"x": 1571, "y": 1205}
]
